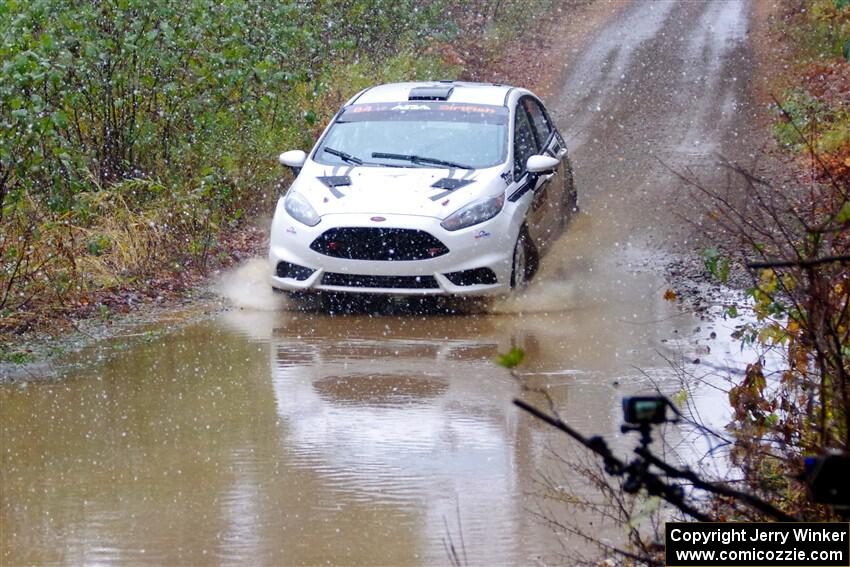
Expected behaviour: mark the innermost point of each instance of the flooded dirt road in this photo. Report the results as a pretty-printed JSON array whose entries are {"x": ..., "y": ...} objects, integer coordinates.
[{"x": 272, "y": 437}]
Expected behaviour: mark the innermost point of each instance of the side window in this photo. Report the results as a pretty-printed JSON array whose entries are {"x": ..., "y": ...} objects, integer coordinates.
[
  {"x": 542, "y": 126},
  {"x": 525, "y": 145}
]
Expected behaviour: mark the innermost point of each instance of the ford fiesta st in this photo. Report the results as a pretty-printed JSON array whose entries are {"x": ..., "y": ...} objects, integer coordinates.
[{"x": 442, "y": 188}]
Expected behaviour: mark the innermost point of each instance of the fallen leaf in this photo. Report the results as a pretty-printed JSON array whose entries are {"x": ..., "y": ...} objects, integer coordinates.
[{"x": 511, "y": 359}]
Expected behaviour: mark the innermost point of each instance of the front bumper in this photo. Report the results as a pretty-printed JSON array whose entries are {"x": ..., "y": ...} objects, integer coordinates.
[{"x": 473, "y": 251}]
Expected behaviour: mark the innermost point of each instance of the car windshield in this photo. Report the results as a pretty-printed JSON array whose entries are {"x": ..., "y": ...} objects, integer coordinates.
[{"x": 471, "y": 135}]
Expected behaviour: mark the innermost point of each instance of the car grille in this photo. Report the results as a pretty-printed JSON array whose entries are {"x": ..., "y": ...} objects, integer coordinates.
[
  {"x": 391, "y": 282},
  {"x": 388, "y": 244}
]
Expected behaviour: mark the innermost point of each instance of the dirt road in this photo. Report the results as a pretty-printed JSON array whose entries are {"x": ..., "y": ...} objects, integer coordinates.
[
  {"x": 273, "y": 437},
  {"x": 664, "y": 85}
]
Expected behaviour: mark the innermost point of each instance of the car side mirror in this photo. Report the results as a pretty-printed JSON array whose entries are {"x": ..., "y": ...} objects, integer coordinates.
[
  {"x": 293, "y": 159},
  {"x": 542, "y": 164}
]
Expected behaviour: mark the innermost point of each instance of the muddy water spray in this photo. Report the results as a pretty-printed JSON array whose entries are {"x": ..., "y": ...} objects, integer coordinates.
[{"x": 247, "y": 287}]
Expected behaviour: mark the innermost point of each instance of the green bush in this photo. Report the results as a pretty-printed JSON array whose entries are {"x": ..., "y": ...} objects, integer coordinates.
[
  {"x": 96, "y": 92},
  {"x": 150, "y": 108},
  {"x": 823, "y": 28},
  {"x": 800, "y": 117},
  {"x": 808, "y": 122}
]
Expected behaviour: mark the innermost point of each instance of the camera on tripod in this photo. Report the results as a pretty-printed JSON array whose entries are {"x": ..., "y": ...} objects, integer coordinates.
[
  {"x": 645, "y": 410},
  {"x": 826, "y": 476}
]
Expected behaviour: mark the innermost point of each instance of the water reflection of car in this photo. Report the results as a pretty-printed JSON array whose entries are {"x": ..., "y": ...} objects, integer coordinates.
[
  {"x": 395, "y": 415},
  {"x": 443, "y": 188}
]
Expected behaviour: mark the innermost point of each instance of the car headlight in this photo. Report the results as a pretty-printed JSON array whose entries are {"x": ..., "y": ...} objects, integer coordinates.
[
  {"x": 300, "y": 209},
  {"x": 474, "y": 213}
]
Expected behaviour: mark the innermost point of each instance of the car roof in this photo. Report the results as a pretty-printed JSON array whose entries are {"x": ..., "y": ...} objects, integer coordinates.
[{"x": 476, "y": 93}]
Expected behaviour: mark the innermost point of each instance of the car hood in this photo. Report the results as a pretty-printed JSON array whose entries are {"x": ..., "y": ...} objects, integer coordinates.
[{"x": 431, "y": 192}]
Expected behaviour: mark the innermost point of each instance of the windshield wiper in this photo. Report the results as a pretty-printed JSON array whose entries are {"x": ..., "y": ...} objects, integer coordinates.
[
  {"x": 348, "y": 158},
  {"x": 420, "y": 159}
]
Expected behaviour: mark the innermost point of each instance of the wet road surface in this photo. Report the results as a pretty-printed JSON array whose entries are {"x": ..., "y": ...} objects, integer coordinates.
[{"x": 278, "y": 437}]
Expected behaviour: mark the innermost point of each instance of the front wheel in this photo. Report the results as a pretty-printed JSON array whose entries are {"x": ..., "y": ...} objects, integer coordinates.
[
  {"x": 570, "y": 195},
  {"x": 519, "y": 271}
]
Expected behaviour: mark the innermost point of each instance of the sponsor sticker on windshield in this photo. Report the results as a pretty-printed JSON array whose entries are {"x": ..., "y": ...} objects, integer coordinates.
[{"x": 425, "y": 111}]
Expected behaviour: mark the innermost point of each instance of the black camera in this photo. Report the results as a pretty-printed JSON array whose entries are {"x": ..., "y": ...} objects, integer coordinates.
[
  {"x": 645, "y": 410},
  {"x": 826, "y": 476}
]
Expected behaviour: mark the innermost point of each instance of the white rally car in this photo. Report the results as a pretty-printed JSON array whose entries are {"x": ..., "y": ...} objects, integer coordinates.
[{"x": 443, "y": 188}]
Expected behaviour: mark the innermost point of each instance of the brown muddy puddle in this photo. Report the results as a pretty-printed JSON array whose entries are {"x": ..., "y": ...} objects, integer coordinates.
[{"x": 279, "y": 437}]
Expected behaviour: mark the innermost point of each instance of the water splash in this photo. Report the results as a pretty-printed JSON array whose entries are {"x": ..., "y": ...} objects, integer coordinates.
[
  {"x": 549, "y": 296},
  {"x": 247, "y": 287},
  {"x": 566, "y": 279}
]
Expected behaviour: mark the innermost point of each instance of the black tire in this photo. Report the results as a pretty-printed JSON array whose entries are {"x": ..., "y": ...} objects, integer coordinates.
[
  {"x": 520, "y": 272},
  {"x": 571, "y": 195},
  {"x": 568, "y": 206}
]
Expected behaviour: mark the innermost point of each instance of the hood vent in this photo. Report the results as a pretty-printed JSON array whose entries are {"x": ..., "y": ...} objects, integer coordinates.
[
  {"x": 451, "y": 184},
  {"x": 437, "y": 92},
  {"x": 335, "y": 180}
]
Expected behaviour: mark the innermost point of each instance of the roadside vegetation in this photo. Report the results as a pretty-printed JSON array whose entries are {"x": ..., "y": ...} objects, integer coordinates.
[
  {"x": 138, "y": 139},
  {"x": 814, "y": 118},
  {"x": 794, "y": 237}
]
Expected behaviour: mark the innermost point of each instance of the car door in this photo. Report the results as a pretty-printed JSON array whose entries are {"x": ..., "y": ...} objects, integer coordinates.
[
  {"x": 524, "y": 146},
  {"x": 551, "y": 186}
]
